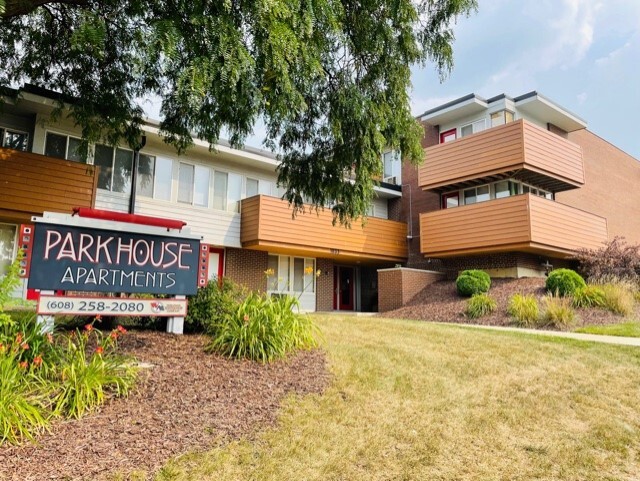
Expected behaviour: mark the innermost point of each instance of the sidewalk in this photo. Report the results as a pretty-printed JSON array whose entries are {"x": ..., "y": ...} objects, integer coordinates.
[{"x": 618, "y": 340}]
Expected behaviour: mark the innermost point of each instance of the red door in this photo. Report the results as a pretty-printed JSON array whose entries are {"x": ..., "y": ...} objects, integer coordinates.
[
  {"x": 448, "y": 136},
  {"x": 452, "y": 199},
  {"x": 344, "y": 288}
]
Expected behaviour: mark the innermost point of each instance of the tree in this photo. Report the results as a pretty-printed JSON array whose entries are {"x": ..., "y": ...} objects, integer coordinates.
[{"x": 330, "y": 78}]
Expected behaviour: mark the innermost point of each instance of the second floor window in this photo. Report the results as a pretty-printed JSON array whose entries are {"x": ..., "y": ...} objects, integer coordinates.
[
  {"x": 12, "y": 139},
  {"x": 62, "y": 147},
  {"x": 392, "y": 167},
  {"x": 472, "y": 128},
  {"x": 115, "y": 168},
  {"x": 193, "y": 184}
]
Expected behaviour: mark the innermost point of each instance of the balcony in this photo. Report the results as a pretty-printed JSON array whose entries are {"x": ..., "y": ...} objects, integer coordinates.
[
  {"x": 518, "y": 150},
  {"x": 32, "y": 183},
  {"x": 524, "y": 223},
  {"x": 266, "y": 224}
]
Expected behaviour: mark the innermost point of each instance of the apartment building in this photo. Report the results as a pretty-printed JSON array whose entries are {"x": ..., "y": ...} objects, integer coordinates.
[
  {"x": 514, "y": 186},
  {"x": 230, "y": 197}
]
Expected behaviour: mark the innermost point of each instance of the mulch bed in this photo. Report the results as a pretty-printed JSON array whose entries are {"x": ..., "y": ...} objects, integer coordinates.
[
  {"x": 440, "y": 302},
  {"x": 187, "y": 401}
]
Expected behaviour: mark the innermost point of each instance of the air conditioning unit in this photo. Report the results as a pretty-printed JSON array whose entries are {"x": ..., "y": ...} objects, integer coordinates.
[{"x": 391, "y": 180}]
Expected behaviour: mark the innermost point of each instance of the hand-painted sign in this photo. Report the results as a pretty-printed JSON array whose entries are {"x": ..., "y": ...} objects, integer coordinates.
[{"x": 80, "y": 258}]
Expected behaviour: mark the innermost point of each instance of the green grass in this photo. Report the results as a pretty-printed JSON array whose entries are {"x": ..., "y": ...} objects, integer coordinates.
[
  {"x": 625, "y": 329},
  {"x": 414, "y": 401}
]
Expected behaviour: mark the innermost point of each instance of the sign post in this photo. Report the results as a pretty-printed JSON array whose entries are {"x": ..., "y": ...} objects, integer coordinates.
[{"x": 88, "y": 256}]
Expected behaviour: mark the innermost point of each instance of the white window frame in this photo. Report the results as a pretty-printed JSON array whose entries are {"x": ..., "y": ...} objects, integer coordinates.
[
  {"x": 274, "y": 280},
  {"x": 193, "y": 192},
  {"x": 473, "y": 127},
  {"x": 3, "y": 136},
  {"x": 492, "y": 192},
  {"x": 66, "y": 147},
  {"x": 395, "y": 177},
  {"x": 113, "y": 161}
]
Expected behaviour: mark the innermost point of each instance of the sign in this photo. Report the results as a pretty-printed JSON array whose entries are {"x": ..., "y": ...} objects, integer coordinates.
[
  {"x": 116, "y": 257},
  {"x": 111, "y": 306}
]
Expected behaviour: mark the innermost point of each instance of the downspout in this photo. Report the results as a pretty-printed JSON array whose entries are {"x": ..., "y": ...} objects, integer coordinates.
[{"x": 134, "y": 175}]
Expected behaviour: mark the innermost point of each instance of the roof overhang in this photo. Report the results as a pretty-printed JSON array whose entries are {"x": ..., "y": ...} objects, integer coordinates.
[
  {"x": 538, "y": 106},
  {"x": 468, "y": 105}
]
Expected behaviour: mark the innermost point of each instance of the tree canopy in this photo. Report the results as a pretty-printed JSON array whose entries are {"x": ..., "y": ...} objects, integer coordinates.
[{"x": 330, "y": 78}]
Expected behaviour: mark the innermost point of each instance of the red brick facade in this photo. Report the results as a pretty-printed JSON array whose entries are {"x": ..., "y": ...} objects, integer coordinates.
[
  {"x": 246, "y": 267},
  {"x": 324, "y": 285},
  {"x": 397, "y": 286}
]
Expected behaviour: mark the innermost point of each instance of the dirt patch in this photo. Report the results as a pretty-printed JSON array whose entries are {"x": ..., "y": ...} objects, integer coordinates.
[
  {"x": 188, "y": 400},
  {"x": 440, "y": 302}
]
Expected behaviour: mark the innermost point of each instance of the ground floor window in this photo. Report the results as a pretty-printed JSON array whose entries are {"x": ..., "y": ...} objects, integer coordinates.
[
  {"x": 7, "y": 246},
  {"x": 290, "y": 274}
]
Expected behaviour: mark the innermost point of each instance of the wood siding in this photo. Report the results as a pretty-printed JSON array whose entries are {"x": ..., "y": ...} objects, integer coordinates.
[
  {"x": 266, "y": 224},
  {"x": 31, "y": 184},
  {"x": 520, "y": 223},
  {"x": 510, "y": 148}
]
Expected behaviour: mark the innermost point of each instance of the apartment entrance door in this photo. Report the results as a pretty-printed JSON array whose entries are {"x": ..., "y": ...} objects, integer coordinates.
[{"x": 343, "y": 288}]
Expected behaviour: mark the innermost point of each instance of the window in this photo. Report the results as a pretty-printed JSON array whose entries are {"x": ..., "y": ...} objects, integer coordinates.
[
  {"x": 185, "y": 183},
  {"x": 234, "y": 194},
  {"x": 500, "y": 118},
  {"x": 392, "y": 167},
  {"x": 7, "y": 246},
  {"x": 146, "y": 168},
  {"x": 472, "y": 128},
  {"x": 12, "y": 139},
  {"x": 220, "y": 190},
  {"x": 291, "y": 274},
  {"x": 115, "y": 168},
  {"x": 163, "y": 178},
  {"x": 477, "y": 194},
  {"x": 252, "y": 187},
  {"x": 62, "y": 147},
  {"x": 193, "y": 184}
]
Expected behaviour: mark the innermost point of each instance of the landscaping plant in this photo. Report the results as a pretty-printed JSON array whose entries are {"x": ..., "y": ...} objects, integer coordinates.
[
  {"x": 557, "y": 312},
  {"x": 588, "y": 297},
  {"x": 211, "y": 304},
  {"x": 472, "y": 282},
  {"x": 619, "y": 298},
  {"x": 615, "y": 261},
  {"x": 524, "y": 310},
  {"x": 480, "y": 305},
  {"x": 564, "y": 282}
]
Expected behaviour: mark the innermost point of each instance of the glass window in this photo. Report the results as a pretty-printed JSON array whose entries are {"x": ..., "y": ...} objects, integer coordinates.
[
  {"x": 73, "y": 150},
  {"x": 272, "y": 273},
  {"x": 283, "y": 273},
  {"x": 466, "y": 130},
  {"x": 548, "y": 195},
  {"x": 501, "y": 117},
  {"x": 220, "y": 190},
  {"x": 185, "y": 183},
  {"x": 103, "y": 158},
  {"x": 201, "y": 188},
  {"x": 482, "y": 193},
  {"x": 525, "y": 189},
  {"x": 146, "y": 165},
  {"x": 252, "y": 187},
  {"x": 392, "y": 166},
  {"x": 309, "y": 275},
  {"x": 264, "y": 187},
  {"x": 472, "y": 128},
  {"x": 122, "y": 166},
  {"x": 298, "y": 274},
  {"x": 234, "y": 193},
  {"x": 15, "y": 140},
  {"x": 55, "y": 145},
  {"x": 450, "y": 200},
  {"x": 470, "y": 196},
  {"x": 508, "y": 116},
  {"x": 163, "y": 178},
  {"x": 7, "y": 246},
  {"x": 502, "y": 189}
]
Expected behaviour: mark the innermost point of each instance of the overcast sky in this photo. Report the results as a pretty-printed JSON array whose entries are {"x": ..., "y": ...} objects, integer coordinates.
[{"x": 583, "y": 54}]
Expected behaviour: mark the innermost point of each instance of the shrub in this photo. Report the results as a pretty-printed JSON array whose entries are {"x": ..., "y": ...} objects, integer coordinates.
[
  {"x": 618, "y": 298},
  {"x": 480, "y": 305},
  {"x": 564, "y": 282},
  {"x": 211, "y": 305},
  {"x": 616, "y": 260},
  {"x": 472, "y": 282},
  {"x": 263, "y": 328},
  {"x": 589, "y": 296},
  {"x": 524, "y": 310},
  {"x": 557, "y": 312}
]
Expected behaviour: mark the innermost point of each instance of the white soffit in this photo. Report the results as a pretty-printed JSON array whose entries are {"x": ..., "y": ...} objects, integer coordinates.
[
  {"x": 455, "y": 110},
  {"x": 544, "y": 109}
]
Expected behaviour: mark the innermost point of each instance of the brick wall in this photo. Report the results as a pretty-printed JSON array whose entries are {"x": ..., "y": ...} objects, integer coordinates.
[
  {"x": 324, "y": 285},
  {"x": 395, "y": 209},
  {"x": 246, "y": 267},
  {"x": 612, "y": 186},
  {"x": 504, "y": 262},
  {"x": 397, "y": 286}
]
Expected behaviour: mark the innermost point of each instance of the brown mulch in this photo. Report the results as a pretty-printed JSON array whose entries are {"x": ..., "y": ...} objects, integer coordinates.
[
  {"x": 439, "y": 302},
  {"x": 187, "y": 401}
]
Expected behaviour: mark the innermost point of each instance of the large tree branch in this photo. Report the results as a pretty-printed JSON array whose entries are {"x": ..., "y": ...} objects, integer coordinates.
[{"x": 15, "y": 8}]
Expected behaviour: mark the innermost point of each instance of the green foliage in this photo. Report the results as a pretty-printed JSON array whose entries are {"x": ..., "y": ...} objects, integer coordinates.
[
  {"x": 10, "y": 280},
  {"x": 480, "y": 305},
  {"x": 564, "y": 282},
  {"x": 472, "y": 282},
  {"x": 263, "y": 328},
  {"x": 589, "y": 296},
  {"x": 330, "y": 79},
  {"x": 524, "y": 310},
  {"x": 212, "y": 303},
  {"x": 619, "y": 298},
  {"x": 557, "y": 312}
]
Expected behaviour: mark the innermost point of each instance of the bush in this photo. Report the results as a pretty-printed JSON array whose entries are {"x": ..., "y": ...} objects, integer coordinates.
[
  {"x": 557, "y": 312},
  {"x": 472, "y": 282},
  {"x": 619, "y": 298},
  {"x": 564, "y": 282},
  {"x": 263, "y": 328},
  {"x": 589, "y": 296},
  {"x": 480, "y": 305},
  {"x": 211, "y": 305},
  {"x": 615, "y": 261},
  {"x": 524, "y": 310}
]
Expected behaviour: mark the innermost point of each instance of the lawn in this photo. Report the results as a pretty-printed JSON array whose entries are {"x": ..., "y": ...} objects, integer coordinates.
[
  {"x": 625, "y": 329},
  {"x": 413, "y": 401}
]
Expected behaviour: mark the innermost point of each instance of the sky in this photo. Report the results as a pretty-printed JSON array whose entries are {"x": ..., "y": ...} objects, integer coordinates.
[{"x": 582, "y": 54}]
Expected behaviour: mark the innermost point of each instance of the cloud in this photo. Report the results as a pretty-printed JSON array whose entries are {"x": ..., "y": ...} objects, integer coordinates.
[{"x": 582, "y": 97}]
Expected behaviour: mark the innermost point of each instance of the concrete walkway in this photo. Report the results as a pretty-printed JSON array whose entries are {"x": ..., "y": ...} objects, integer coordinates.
[{"x": 618, "y": 340}]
